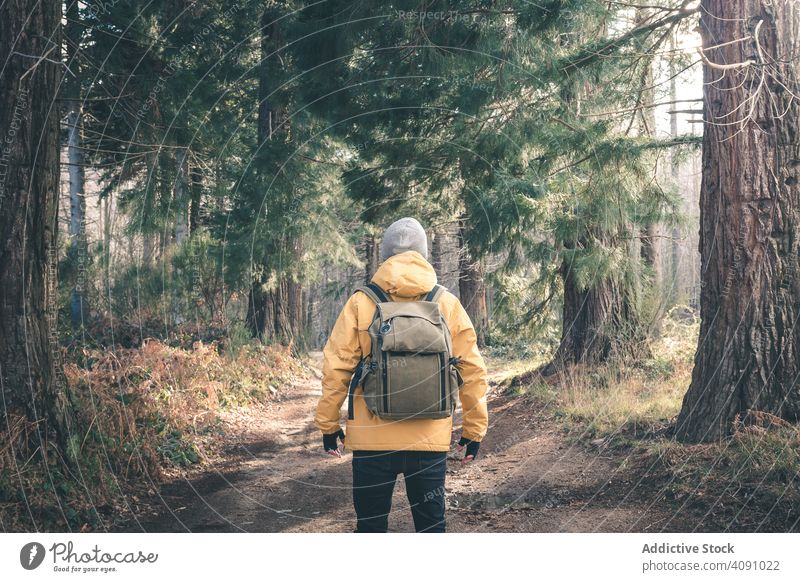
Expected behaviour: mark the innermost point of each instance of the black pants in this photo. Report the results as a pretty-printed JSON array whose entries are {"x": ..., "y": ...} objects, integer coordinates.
[{"x": 374, "y": 476}]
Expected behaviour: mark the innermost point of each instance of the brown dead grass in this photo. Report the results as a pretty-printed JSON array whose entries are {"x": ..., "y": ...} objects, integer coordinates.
[
  {"x": 142, "y": 414},
  {"x": 748, "y": 482},
  {"x": 620, "y": 400}
]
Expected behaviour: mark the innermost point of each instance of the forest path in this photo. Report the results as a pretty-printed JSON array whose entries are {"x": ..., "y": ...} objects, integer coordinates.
[{"x": 274, "y": 477}]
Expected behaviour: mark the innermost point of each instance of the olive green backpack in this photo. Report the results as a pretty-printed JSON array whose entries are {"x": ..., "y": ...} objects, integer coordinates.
[{"x": 411, "y": 371}]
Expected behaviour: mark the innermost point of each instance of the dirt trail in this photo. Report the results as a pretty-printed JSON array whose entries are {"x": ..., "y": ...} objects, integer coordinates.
[{"x": 527, "y": 478}]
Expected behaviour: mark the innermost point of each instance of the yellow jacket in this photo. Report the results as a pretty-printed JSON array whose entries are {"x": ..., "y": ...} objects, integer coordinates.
[{"x": 405, "y": 277}]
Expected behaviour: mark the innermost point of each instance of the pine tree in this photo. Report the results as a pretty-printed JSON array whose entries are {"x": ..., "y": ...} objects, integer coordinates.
[{"x": 475, "y": 120}]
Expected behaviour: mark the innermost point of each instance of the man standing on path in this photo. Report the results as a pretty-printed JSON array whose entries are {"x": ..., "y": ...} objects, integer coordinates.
[{"x": 384, "y": 440}]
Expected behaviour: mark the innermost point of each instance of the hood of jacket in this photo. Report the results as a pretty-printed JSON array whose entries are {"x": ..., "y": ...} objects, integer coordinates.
[{"x": 407, "y": 274}]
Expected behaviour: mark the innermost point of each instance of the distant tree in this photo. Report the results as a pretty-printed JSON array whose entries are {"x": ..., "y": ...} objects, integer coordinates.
[{"x": 72, "y": 92}]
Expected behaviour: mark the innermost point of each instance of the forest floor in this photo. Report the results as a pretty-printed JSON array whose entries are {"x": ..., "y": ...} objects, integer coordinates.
[{"x": 272, "y": 476}]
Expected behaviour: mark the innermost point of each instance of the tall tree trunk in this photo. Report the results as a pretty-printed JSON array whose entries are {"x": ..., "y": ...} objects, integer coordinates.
[
  {"x": 263, "y": 303},
  {"x": 77, "y": 201},
  {"x": 77, "y": 207},
  {"x": 274, "y": 308},
  {"x": 650, "y": 250},
  {"x": 748, "y": 355},
  {"x": 196, "y": 199},
  {"x": 472, "y": 289},
  {"x": 675, "y": 261},
  {"x": 591, "y": 317},
  {"x": 181, "y": 197},
  {"x": 106, "y": 218},
  {"x": 294, "y": 299},
  {"x": 260, "y": 310},
  {"x": 30, "y": 373},
  {"x": 598, "y": 322}
]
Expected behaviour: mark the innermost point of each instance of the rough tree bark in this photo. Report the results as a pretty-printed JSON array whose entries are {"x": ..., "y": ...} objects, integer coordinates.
[
  {"x": 747, "y": 358},
  {"x": 437, "y": 252},
  {"x": 599, "y": 322},
  {"x": 590, "y": 317},
  {"x": 30, "y": 373},
  {"x": 294, "y": 299},
  {"x": 275, "y": 308}
]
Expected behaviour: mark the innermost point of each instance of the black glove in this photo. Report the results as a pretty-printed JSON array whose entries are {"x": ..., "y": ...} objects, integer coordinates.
[
  {"x": 329, "y": 440},
  {"x": 472, "y": 447}
]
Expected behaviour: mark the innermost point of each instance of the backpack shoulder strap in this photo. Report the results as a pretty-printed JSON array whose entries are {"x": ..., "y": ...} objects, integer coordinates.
[
  {"x": 435, "y": 293},
  {"x": 374, "y": 292}
]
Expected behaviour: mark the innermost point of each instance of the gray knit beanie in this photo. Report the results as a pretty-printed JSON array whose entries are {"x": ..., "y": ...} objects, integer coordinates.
[{"x": 404, "y": 235}]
